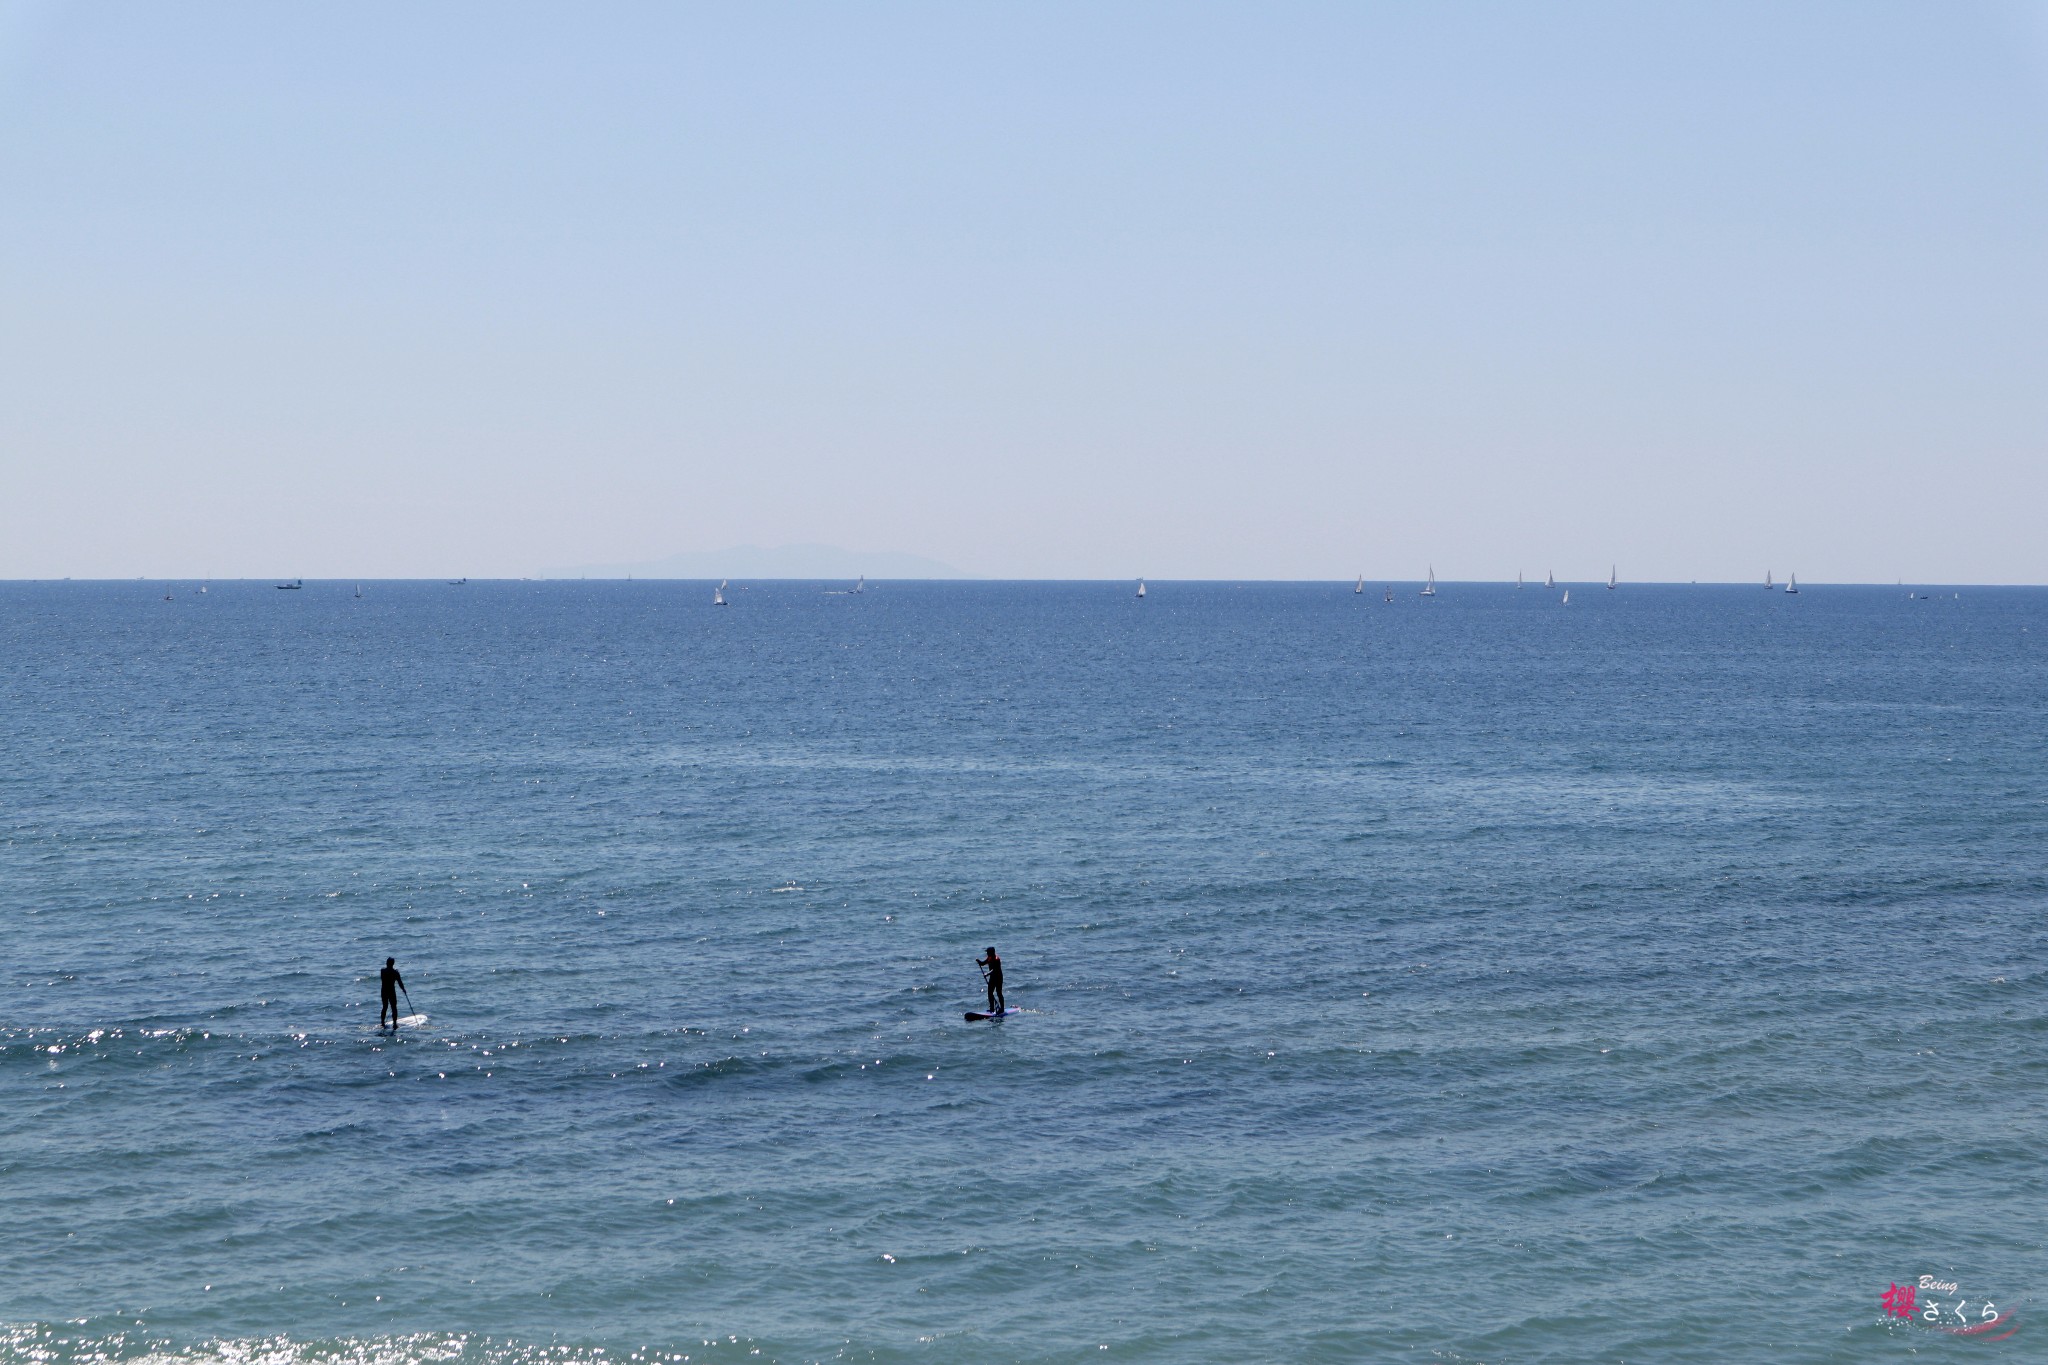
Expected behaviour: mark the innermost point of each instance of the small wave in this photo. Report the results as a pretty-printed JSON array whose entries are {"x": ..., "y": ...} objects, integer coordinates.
[
  {"x": 43, "y": 1344},
  {"x": 723, "y": 1068}
]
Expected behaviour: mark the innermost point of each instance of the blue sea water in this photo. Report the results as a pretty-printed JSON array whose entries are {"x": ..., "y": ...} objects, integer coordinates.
[{"x": 1658, "y": 977}]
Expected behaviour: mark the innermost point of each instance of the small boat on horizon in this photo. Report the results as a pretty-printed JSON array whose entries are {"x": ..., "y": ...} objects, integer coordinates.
[
  {"x": 1141, "y": 589},
  {"x": 718, "y": 595},
  {"x": 1610, "y": 578},
  {"x": 1518, "y": 580},
  {"x": 1359, "y": 586},
  {"x": 1792, "y": 582},
  {"x": 1550, "y": 580},
  {"x": 1390, "y": 592},
  {"x": 293, "y": 586},
  {"x": 359, "y": 592},
  {"x": 1429, "y": 588},
  {"x": 457, "y": 582},
  {"x": 1768, "y": 585}
]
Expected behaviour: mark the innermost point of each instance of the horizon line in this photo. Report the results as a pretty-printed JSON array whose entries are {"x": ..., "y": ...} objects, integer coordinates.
[{"x": 1348, "y": 579}]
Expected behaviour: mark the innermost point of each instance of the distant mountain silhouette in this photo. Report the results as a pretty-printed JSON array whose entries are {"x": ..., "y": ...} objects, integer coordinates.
[{"x": 781, "y": 561}]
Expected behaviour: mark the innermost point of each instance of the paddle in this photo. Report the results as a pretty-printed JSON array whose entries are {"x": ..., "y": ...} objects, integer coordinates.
[{"x": 408, "y": 1002}]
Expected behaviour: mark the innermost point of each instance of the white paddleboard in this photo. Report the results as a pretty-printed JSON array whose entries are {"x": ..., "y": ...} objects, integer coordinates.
[{"x": 973, "y": 1015}]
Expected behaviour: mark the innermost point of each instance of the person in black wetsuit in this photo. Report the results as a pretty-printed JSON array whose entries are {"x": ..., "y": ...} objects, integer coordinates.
[
  {"x": 992, "y": 975},
  {"x": 391, "y": 984}
]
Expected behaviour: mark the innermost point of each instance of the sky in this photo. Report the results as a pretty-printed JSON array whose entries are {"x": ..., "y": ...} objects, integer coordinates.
[{"x": 1090, "y": 290}]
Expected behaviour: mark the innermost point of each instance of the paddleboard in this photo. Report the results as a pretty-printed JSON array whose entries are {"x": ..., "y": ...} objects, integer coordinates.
[{"x": 972, "y": 1015}]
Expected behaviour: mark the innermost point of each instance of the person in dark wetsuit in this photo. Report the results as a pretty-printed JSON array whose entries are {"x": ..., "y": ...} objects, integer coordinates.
[
  {"x": 391, "y": 984},
  {"x": 992, "y": 975}
]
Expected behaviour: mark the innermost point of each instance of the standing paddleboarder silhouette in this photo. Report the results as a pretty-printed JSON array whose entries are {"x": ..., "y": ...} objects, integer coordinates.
[
  {"x": 390, "y": 983},
  {"x": 992, "y": 978}
]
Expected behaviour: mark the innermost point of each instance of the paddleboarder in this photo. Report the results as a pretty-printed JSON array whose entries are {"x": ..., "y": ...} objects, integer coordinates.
[
  {"x": 391, "y": 983},
  {"x": 992, "y": 977}
]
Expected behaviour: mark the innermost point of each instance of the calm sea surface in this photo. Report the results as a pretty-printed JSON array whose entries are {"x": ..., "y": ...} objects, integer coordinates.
[{"x": 1658, "y": 977}]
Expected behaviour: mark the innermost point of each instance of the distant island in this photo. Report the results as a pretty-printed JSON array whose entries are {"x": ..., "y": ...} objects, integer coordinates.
[{"x": 780, "y": 561}]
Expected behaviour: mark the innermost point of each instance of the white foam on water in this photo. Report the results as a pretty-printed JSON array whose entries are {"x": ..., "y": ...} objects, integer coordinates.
[{"x": 41, "y": 1344}]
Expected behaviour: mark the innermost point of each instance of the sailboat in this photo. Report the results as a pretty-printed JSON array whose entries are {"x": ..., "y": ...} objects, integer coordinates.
[
  {"x": 1390, "y": 594},
  {"x": 202, "y": 587},
  {"x": 1767, "y": 580},
  {"x": 861, "y": 586},
  {"x": 1610, "y": 578},
  {"x": 1360, "y": 585},
  {"x": 1567, "y": 598},
  {"x": 1518, "y": 580},
  {"x": 359, "y": 592},
  {"x": 1141, "y": 588},
  {"x": 1429, "y": 588},
  {"x": 1792, "y": 582},
  {"x": 718, "y": 594},
  {"x": 1549, "y": 580}
]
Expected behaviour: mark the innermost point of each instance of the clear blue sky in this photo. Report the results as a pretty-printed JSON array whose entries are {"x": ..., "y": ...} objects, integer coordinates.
[{"x": 1038, "y": 289}]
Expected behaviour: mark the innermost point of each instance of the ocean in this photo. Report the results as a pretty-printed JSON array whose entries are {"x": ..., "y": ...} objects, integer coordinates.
[{"x": 1655, "y": 977}]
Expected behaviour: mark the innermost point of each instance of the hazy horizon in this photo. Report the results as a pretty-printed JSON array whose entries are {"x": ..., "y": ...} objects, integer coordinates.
[
  {"x": 1373, "y": 585},
  {"x": 1203, "y": 292}
]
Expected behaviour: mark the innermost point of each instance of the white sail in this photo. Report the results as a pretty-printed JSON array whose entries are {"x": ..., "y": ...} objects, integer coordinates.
[
  {"x": 1141, "y": 587},
  {"x": 862, "y": 585},
  {"x": 1549, "y": 579},
  {"x": 1610, "y": 578},
  {"x": 718, "y": 595},
  {"x": 1518, "y": 580},
  {"x": 1360, "y": 585},
  {"x": 1567, "y": 597},
  {"x": 1767, "y": 580},
  {"x": 1429, "y": 588},
  {"x": 1792, "y": 582}
]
